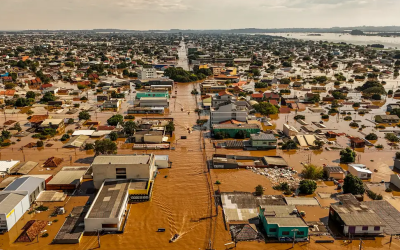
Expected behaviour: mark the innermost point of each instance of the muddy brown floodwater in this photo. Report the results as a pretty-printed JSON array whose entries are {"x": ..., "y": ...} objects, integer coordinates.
[{"x": 182, "y": 200}]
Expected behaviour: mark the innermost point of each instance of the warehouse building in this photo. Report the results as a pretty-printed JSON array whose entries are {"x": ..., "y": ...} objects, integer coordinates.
[
  {"x": 32, "y": 185},
  {"x": 68, "y": 178},
  {"x": 109, "y": 207},
  {"x": 13, "y": 205},
  {"x": 137, "y": 167},
  {"x": 7, "y": 166}
]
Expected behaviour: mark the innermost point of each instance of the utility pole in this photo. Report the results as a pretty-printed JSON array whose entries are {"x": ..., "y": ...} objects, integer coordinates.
[
  {"x": 98, "y": 237},
  {"x": 294, "y": 236}
]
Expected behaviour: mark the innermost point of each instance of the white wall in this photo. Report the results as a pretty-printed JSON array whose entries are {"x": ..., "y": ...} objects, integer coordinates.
[
  {"x": 19, "y": 211},
  {"x": 360, "y": 231},
  {"x": 395, "y": 180},
  {"x": 108, "y": 171}
]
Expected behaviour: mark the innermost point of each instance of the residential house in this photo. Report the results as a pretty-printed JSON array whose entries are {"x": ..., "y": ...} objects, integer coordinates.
[
  {"x": 387, "y": 119},
  {"x": 57, "y": 124},
  {"x": 360, "y": 170},
  {"x": 334, "y": 172},
  {"x": 148, "y": 136},
  {"x": 356, "y": 142},
  {"x": 222, "y": 98},
  {"x": 263, "y": 141},
  {"x": 113, "y": 104},
  {"x": 283, "y": 222},
  {"x": 355, "y": 218},
  {"x": 289, "y": 130},
  {"x": 36, "y": 120}
]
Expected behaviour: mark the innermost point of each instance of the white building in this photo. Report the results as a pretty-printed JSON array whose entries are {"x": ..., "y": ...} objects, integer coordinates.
[
  {"x": 360, "y": 170},
  {"x": 146, "y": 73},
  {"x": 162, "y": 161},
  {"x": 395, "y": 180},
  {"x": 13, "y": 205},
  {"x": 289, "y": 130},
  {"x": 6, "y": 166},
  {"x": 109, "y": 207},
  {"x": 32, "y": 185},
  {"x": 114, "y": 167}
]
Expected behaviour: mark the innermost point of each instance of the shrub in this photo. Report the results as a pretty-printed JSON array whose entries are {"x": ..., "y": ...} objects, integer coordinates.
[
  {"x": 312, "y": 172},
  {"x": 129, "y": 117},
  {"x": 218, "y": 182},
  {"x": 388, "y": 190},
  {"x": 380, "y": 146},
  {"x": 392, "y": 137},
  {"x": 259, "y": 190},
  {"x": 354, "y": 124},
  {"x": 325, "y": 116},
  {"x": 347, "y": 118},
  {"x": 39, "y": 144},
  {"x": 89, "y": 146},
  {"x": 42, "y": 208},
  {"x": 371, "y": 136},
  {"x": 65, "y": 137},
  {"x": 297, "y": 117},
  {"x": 356, "y": 105},
  {"x": 307, "y": 186},
  {"x": 45, "y": 235},
  {"x": 113, "y": 136},
  {"x": 374, "y": 196}
]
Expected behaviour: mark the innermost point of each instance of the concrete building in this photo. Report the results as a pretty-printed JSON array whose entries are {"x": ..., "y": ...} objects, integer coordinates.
[
  {"x": 387, "y": 119},
  {"x": 263, "y": 141},
  {"x": 229, "y": 112},
  {"x": 233, "y": 129},
  {"x": 109, "y": 207},
  {"x": 146, "y": 110},
  {"x": 395, "y": 180},
  {"x": 355, "y": 218},
  {"x": 222, "y": 98},
  {"x": 289, "y": 130},
  {"x": 146, "y": 73},
  {"x": 360, "y": 170},
  {"x": 152, "y": 102},
  {"x": 32, "y": 185},
  {"x": 7, "y": 166},
  {"x": 163, "y": 94},
  {"x": 57, "y": 124},
  {"x": 137, "y": 167},
  {"x": 148, "y": 136},
  {"x": 13, "y": 205},
  {"x": 283, "y": 222},
  {"x": 334, "y": 172}
]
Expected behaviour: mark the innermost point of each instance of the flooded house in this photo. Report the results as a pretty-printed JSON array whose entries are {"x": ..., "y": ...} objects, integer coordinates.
[
  {"x": 360, "y": 170},
  {"x": 354, "y": 218},
  {"x": 387, "y": 119}
]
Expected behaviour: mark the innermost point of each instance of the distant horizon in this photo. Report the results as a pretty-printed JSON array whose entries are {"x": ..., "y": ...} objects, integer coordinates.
[
  {"x": 368, "y": 27},
  {"x": 195, "y": 15}
]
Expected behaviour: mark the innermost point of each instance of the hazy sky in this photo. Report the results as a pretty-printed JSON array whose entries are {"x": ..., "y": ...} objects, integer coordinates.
[{"x": 195, "y": 14}]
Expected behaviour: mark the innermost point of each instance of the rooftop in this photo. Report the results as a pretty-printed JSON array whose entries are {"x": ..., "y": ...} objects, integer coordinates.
[
  {"x": 28, "y": 184},
  {"x": 8, "y": 201},
  {"x": 122, "y": 159},
  {"x": 262, "y": 136},
  {"x": 69, "y": 175},
  {"x": 236, "y": 126},
  {"x": 109, "y": 200}
]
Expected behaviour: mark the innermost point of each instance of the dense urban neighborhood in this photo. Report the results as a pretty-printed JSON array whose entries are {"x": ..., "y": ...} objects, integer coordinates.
[{"x": 195, "y": 140}]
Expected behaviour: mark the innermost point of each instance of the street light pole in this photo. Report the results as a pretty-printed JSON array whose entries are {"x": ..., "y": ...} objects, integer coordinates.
[{"x": 294, "y": 236}]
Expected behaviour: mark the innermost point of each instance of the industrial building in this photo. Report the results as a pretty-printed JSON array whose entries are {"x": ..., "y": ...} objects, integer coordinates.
[
  {"x": 233, "y": 129},
  {"x": 32, "y": 185},
  {"x": 68, "y": 178},
  {"x": 13, "y": 205},
  {"x": 7, "y": 166},
  {"x": 109, "y": 207}
]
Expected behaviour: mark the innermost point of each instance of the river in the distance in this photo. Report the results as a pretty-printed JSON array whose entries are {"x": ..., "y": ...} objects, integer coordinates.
[{"x": 388, "y": 42}]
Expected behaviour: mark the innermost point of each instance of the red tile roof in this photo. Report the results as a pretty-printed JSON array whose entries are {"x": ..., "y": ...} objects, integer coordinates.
[
  {"x": 38, "y": 118},
  {"x": 10, "y": 92},
  {"x": 105, "y": 127},
  {"x": 257, "y": 95},
  {"x": 271, "y": 96},
  {"x": 222, "y": 93}
]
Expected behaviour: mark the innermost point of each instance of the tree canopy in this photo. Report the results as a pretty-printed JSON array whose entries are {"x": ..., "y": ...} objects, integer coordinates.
[
  {"x": 307, "y": 186},
  {"x": 347, "y": 155},
  {"x": 266, "y": 108},
  {"x": 105, "y": 146},
  {"x": 353, "y": 185},
  {"x": 115, "y": 119}
]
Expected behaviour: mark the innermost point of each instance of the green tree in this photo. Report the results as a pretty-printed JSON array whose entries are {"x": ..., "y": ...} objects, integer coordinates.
[
  {"x": 392, "y": 137},
  {"x": 113, "y": 136},
  {"x": 17, "y": 126},
  {"x": 39, "y": 144},
  {"x": 65, "y": 137},
  {"x": 307, "y": 186},
  {"x": 9, "y": 85},
  {"x": 130, "y": 127},
  {"x": 312, "y": 172},
  {"x": 240, "y": 134},
  {"x": 21, "y": 102},
  {"x": 353, "y": 185},
  {"x": 371, "y": 136},
  {"x": 30, "y": 94},
  {"x": 105, "y": 146},
  {"x": 115, "y": 119},
  {"x": 319, "y": 144},
  {"x": 47, "y": 97},
  {"x": 289, "y": 144},
  {"x": 6, "y": 134},
  {"x": 84, "y": 115},
  {"x": 89, "y": 146},
  {"x": 170, "y": 127},
  {"x": 259, "y": 190},
  {"x": 347, "y": 155},
  {"x": 266, "y": 108}
]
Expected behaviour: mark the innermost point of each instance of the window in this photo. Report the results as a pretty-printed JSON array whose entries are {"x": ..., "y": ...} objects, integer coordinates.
[
  {"x": 377, "y": 228},
  {"x": 300, "y": 233},
  {"x": 272, "y": 230},
  {"x": 365, "y": 228},
  {"x": 109, "y": 225},
  {"x": 285, "y": 233},
  {"x": 121, "y": 176},
  {"x": 120, "y": 170}
]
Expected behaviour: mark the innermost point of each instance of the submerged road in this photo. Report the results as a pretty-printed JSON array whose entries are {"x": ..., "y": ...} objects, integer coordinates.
[{"x": 182, "y": 53}]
